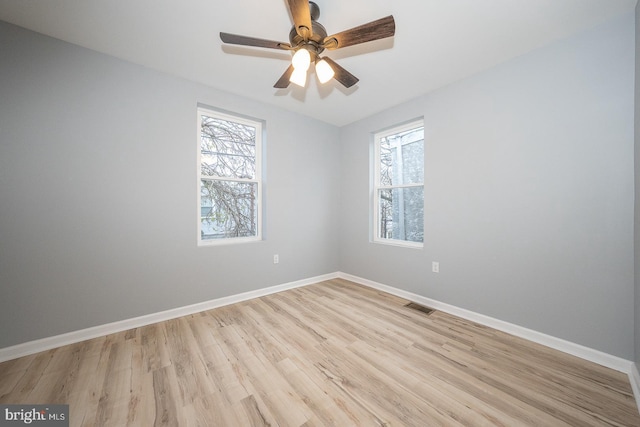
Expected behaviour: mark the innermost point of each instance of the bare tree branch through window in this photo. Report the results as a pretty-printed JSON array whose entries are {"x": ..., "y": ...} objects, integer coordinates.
[{"x": 229, "y": 182}]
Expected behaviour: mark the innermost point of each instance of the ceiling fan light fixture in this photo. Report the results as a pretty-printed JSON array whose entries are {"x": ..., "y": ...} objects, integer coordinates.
[
  {"x": 324, "y": 71},
  {"x": 299, "y": 77},
  {"x": 301, "y": 60}
]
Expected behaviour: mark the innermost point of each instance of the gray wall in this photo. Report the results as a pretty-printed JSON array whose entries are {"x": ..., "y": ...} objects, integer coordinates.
[
  {"x": 637, "y": 194},
  {"x": 529, "y": 192},
  {"x": 98, "y": 192}
]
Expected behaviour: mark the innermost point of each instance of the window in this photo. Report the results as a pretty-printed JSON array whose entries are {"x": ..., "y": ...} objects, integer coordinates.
[
  {"x": 229, "y": 178},
  {"x": 398, "y": 193}
]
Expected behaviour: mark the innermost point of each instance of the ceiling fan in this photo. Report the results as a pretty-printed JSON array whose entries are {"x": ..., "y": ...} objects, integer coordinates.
[{"x": 308, "y": 39}]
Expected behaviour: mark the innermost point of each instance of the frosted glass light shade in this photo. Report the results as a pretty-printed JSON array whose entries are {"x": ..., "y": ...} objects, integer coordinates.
[
  {"x": 301, "y": 60},
  {"x": 324, "y": 71},
  {"x": 299, "y": 76}
]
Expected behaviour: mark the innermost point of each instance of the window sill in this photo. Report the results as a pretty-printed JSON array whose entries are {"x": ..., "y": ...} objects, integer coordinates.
[
  {"x": 400, "y": 243},
  {"x": 227, "y": 241}
]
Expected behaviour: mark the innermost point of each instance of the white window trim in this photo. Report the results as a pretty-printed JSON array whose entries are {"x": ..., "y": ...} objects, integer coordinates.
[
  {"x": 211, "y": 112},
  {"x": 377, "y": 136}
]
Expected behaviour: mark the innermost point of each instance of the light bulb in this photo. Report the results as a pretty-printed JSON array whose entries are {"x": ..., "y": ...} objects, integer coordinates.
[
  {"x": 301, "y": 59},
  {"x": 299, "y": 77},
  {"x": 324, "y": 71}
]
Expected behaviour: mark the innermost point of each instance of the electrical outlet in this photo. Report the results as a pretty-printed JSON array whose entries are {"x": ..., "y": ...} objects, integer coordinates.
[
  {"x": 435, "y": 267},
  {"x": 276, "y": 259}
]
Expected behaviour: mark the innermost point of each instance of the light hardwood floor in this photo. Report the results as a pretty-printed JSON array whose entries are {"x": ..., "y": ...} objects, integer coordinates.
[{"x": 330, "y": 354}]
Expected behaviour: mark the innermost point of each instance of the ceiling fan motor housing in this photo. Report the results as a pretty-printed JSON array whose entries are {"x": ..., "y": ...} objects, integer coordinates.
[{"x": 314, "y": 43}]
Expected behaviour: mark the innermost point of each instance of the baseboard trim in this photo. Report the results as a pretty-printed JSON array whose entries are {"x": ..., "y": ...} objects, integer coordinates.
[
  {"x": 36, "y": 346},
  {"x": 596, "y": 356},
  {"x": 578, "y": 350},
  {"x": 634, "y": 379}
]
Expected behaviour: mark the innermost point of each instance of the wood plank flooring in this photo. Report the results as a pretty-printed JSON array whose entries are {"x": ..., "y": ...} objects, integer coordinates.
[{"x": 330, "y": 354}]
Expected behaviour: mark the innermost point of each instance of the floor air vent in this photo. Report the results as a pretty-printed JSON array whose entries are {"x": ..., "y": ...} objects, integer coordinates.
[{"x": 422, "y": 308}]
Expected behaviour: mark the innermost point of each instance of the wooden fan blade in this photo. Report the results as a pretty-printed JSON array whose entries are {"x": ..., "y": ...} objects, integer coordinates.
[
  {"x": 374, "y": 30},
  {"x": 343, "y": 76},
  {"x": 301, "y": 14},
  {"x": 283, "y": 82},
  {"x": 253, "y": 41}
]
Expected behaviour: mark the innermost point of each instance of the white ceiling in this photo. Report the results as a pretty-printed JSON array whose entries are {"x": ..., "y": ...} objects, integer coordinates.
[{"x": 436, "y": 42}]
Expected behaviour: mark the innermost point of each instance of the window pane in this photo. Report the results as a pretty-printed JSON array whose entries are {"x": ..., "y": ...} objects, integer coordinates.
[
  {"x": 401, "y": 214},
  {"x": 402, "y": 158},
  {"x": 228, "y": 149},
  {"x": 228, "y": 209},
  {"x": 413, "y": 163}
]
